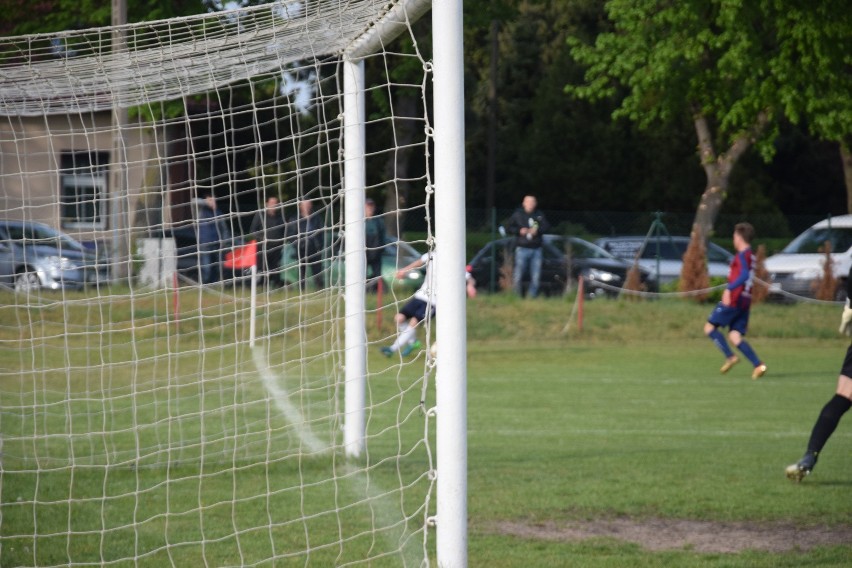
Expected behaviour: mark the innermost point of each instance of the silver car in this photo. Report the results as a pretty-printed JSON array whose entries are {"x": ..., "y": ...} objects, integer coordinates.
[
  {"x": 34, "y": 255},
  {"x": 794, "y": 270},
  {"x": 662, "y": 256}
]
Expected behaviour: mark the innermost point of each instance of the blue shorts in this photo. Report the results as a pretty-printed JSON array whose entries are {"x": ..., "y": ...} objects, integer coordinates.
[
  {"x": 416, "y": 308},
  {"x": 735, "y": 319}
]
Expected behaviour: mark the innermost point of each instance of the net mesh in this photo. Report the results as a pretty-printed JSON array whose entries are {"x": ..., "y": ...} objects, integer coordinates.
[{"x": 155, "y": 407}]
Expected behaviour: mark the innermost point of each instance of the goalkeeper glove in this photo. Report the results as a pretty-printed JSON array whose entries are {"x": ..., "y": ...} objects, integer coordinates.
[{"x": 846, "y": 319}]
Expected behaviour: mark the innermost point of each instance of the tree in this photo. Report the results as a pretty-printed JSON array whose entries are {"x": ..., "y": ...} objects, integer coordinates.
[
  {"x": 22, "y": 17},
  {"x": 735, "y": 67}
]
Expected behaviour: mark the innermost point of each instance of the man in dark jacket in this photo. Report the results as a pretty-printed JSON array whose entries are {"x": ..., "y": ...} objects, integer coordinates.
[
  {"x": 528, "y": 224},
  {"x": 305, "y": 231},
  {"x": 268, "y": 228},
  {"x": 374, "y": 229},
  {"x": 213, "y": 237}
]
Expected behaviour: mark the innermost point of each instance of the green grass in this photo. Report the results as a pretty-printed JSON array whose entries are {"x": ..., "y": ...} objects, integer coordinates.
[
  {"x": 185, "y": 459},
  {"x": 630, "y": 418}
]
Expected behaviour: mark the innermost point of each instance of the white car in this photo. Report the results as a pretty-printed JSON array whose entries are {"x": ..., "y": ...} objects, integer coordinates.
[
  {"x": 794, "y": 269},
  {"x": 664, "y": 255}
]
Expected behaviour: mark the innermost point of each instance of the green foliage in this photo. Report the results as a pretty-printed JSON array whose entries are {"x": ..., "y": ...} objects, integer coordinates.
[
  {"x": 25, "y": 17},
  {"x": 730, "y": 61}
]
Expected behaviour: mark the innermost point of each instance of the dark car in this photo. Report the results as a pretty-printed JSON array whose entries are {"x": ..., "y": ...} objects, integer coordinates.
[
  {"x": 602, "y": 272},
  {"x": 189, "y": 259},
  {"x": 34, "y": 255}
]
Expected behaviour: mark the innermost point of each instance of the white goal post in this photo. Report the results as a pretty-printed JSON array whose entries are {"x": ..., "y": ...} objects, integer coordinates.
[{"x": 160, "y": 404}]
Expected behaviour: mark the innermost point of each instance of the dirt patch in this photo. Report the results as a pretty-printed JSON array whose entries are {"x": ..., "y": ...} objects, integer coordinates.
[{"x": 699, "y": 536}]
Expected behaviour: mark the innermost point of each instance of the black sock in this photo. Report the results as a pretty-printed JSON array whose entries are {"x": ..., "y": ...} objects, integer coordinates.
[{"x": 828, "y": 419}]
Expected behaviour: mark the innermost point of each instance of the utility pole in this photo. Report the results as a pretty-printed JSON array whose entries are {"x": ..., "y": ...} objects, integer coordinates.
[{"x": 119, "y": 211}]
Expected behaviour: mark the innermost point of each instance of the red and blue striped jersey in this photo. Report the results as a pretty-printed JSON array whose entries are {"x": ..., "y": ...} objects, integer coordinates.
[{"x": 740, "y": 279}]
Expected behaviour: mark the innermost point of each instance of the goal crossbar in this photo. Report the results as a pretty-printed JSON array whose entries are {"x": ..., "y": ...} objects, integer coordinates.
[{"x": 161, "y": 62}]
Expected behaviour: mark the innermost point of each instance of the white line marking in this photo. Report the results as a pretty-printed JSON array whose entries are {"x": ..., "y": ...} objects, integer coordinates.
[{"x": 281, "y": 399}]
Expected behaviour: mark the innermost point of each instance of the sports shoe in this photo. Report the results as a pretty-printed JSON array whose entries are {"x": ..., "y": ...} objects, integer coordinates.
[
  {"x": 801, "y": 468},
  {"x": 387, "y": 351},
  {"x": 729, "y": 362},
  {"x": 406, "y": 351},
  {"x": 758, "y": 372}
]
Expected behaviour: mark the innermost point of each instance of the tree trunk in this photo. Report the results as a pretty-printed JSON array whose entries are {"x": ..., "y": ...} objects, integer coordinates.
[
  {"x": 396, "y": 168},
  {"x": 717, "y": 168},
  {"x": 846, "y": 160}
]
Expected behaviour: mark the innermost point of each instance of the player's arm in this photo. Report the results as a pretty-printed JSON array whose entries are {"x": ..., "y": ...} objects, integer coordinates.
[
  {"x": 411, "y": 266},
  {"x": 470, "y": 285},
  {"x": 846, "y": 317},
  {"x": 744, "y": 274}
]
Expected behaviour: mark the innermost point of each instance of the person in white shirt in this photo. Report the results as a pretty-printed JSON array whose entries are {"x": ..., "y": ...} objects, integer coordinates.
[{"x": 420, "y": 307}]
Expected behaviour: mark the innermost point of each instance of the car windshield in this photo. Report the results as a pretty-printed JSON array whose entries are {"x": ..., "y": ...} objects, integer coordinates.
[
  {"x": 717, "y": 254},
  {"x": 813, "y": 240},
  {"x": 664, "y": 248},
  {"x": 38, "y": 235},
  {"x": 581, "y": 249}
]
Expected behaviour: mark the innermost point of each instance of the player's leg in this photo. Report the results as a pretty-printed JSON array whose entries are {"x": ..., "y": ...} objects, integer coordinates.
[
  {"x": 535, "y": 271},
  {"x": 739, "y": 325},
  {"x": 401, "y": 322},
  {"x": 409, "y": 341},
  {"x": 406, "y": 321},
  {"x": 521, "y": 261},
  {"x": 719, "y": 317},
  {"x": 827, "y": 421}
]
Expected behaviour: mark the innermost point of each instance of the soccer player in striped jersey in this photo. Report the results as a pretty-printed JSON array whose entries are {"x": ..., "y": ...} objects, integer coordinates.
[{"x": 733, "y": 311}]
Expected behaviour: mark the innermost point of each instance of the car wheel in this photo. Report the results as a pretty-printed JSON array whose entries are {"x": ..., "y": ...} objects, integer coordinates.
[{"x": 26, "y": 281}]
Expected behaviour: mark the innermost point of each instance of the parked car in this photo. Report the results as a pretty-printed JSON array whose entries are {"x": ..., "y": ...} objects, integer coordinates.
[
  {"x": 34, "y": 255},
  {"x": 597, "y": 266},
  {"x": 669, "y": 250},
  {"x": 799, "y": 264},
  {"x": 396, "y": 255},
  {"x": 185, "y": 235}
]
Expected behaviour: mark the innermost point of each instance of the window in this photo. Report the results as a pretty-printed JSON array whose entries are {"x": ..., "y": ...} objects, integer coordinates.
[{"x": 83, "y": 189}]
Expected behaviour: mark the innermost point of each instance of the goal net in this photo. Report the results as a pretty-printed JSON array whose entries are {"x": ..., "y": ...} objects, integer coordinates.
[{"x": 185, "y": 380}]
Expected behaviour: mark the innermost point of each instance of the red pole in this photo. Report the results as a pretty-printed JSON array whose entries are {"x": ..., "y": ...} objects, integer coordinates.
[{"x": 580, "y": 299}]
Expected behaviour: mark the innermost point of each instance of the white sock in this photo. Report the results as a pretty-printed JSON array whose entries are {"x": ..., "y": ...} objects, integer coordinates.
[
  {"x": 400, "y": 328},
  {"x": 406, "y": 335}
]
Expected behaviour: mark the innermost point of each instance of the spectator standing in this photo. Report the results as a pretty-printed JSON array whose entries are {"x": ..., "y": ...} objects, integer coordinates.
[
  {"x": 528, "y": 224},
  {"x": 306, "y": 232},
  {"x": 213, "y": 234},
  {"x": 268, "y": 227},
  {"x": 374, "y": 229}
]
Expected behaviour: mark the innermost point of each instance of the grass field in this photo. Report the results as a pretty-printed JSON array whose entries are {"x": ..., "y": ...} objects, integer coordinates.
[
  {"x": 628, "y": 424},
  {"x": 616, "y": 445}
]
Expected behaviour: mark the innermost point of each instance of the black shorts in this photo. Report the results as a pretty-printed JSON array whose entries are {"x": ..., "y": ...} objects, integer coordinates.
[
  {"x": 416, "y": 308},
  {"x": 847, "y": 363}
]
